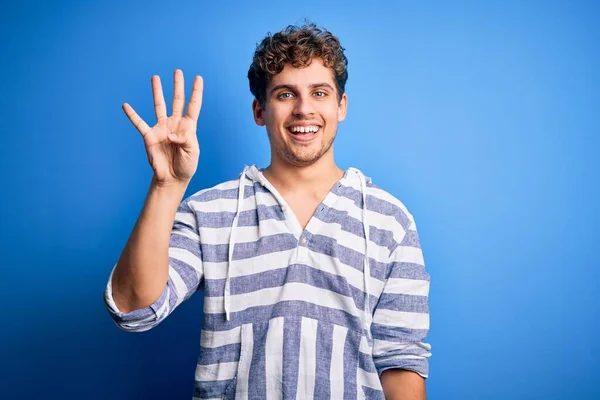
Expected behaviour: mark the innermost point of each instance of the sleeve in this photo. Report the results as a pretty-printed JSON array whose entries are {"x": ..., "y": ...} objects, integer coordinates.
[
  {"x": 185, "y": 276},
  {"x": 401, "y": 317}
]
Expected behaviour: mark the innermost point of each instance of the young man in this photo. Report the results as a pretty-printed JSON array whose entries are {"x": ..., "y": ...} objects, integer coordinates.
[{"x": 313, "y": 277}]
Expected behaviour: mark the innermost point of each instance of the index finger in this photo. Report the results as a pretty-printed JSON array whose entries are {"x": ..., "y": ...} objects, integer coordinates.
[{"x": 193, "y": 110}]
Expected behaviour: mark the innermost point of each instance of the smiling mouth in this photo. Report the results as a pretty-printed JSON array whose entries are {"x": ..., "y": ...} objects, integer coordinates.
[{"x": 304, "y": 134}]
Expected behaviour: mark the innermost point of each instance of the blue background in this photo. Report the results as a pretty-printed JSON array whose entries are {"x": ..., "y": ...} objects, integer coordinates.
[{"x": 482, "y": 117}]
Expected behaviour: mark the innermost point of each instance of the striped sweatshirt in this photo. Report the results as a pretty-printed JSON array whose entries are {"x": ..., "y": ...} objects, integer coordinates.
[{"x": 293, "y": 313}]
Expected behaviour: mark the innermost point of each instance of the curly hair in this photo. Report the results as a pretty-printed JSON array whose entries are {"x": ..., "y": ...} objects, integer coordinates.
[{"x": 298, "y": 46}]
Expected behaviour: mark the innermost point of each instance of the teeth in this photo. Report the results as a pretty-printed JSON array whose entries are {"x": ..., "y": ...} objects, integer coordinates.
[{"x": 304, "y": 129}]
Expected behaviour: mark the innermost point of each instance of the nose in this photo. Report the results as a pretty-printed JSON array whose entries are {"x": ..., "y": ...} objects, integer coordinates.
[{"x": 303, "y": 107}]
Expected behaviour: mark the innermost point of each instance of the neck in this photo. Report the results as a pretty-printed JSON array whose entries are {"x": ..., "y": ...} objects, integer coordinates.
[{"x": 314, "y": 178}]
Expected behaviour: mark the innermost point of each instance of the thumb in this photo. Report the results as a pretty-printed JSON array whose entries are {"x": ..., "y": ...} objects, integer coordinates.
[{"x": 176, "y": 138}]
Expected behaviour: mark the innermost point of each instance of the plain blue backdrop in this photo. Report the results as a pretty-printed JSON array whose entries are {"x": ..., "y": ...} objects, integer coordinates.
[{"x": 482, "y": 117}]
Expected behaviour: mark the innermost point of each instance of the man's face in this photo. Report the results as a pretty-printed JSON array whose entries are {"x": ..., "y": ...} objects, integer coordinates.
[{"x": 301, "y": 113}]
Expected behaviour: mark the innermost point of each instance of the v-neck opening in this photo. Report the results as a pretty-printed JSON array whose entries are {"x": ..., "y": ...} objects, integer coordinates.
[{"x": 320, "y": 212}]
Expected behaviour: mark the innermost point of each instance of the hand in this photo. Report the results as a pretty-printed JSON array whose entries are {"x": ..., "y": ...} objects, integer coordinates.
[{"x": 171, "y": 145}]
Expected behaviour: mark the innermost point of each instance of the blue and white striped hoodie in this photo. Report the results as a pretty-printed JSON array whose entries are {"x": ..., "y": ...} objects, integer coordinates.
[{"x": 292, "y": 313}]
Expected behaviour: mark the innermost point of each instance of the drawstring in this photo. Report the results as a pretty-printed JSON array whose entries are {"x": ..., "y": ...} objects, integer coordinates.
[
  {"x": 367, "y": 266},
  {"x": 227, "y": 295}
]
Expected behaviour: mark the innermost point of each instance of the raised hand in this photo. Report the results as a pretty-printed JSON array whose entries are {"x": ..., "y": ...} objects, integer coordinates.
[{"x": 171, "y": 145}]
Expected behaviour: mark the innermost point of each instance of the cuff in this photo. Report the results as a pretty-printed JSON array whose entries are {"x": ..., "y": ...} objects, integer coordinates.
[
  {"x": 136, "y": 320},
  {"x": 420, "y": 365}
]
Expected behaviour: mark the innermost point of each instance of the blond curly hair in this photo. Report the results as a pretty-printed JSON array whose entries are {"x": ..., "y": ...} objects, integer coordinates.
[{"x": 298, "y": 46}]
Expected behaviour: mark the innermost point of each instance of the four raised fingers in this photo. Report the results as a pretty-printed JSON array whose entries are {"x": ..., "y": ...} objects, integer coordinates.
[{"x": 160, "y": 109}]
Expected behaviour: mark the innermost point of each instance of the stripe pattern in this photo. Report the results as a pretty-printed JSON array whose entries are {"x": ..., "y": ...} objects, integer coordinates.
[{"x": 296, "y": 295}]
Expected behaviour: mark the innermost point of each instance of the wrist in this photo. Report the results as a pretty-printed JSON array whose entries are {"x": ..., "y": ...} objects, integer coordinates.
[{"x": 169, "y": 189}]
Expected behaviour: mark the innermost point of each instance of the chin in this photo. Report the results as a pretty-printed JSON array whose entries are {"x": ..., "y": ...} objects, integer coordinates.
[{"x": 302, "y": 159}]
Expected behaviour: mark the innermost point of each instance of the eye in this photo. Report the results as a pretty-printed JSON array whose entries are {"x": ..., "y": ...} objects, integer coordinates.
[
  {"x": 320, "y": 94},
  {"x": 284, "y": 95}
]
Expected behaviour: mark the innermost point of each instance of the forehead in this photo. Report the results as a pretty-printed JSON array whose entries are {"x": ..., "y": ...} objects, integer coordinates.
[{"x": 316, "y": 72}]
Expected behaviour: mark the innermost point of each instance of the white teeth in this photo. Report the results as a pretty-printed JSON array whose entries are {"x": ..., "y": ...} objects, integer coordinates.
[{"x": 304, "y": 129}]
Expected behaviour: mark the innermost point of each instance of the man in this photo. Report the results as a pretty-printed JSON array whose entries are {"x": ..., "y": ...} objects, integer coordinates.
[{"x": 313, "y": 277}]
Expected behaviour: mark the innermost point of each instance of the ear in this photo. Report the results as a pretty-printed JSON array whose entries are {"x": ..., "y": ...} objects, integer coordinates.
[
  {"x": 342, "y": 107},
  {"x": 258, "y": 113}
]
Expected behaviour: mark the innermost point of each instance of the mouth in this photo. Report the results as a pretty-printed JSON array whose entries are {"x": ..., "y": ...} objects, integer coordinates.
[{"x": 304, "y": 133}]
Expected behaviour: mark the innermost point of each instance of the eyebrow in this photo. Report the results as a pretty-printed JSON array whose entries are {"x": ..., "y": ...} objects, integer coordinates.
[{"x": 311, "y": 86}]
